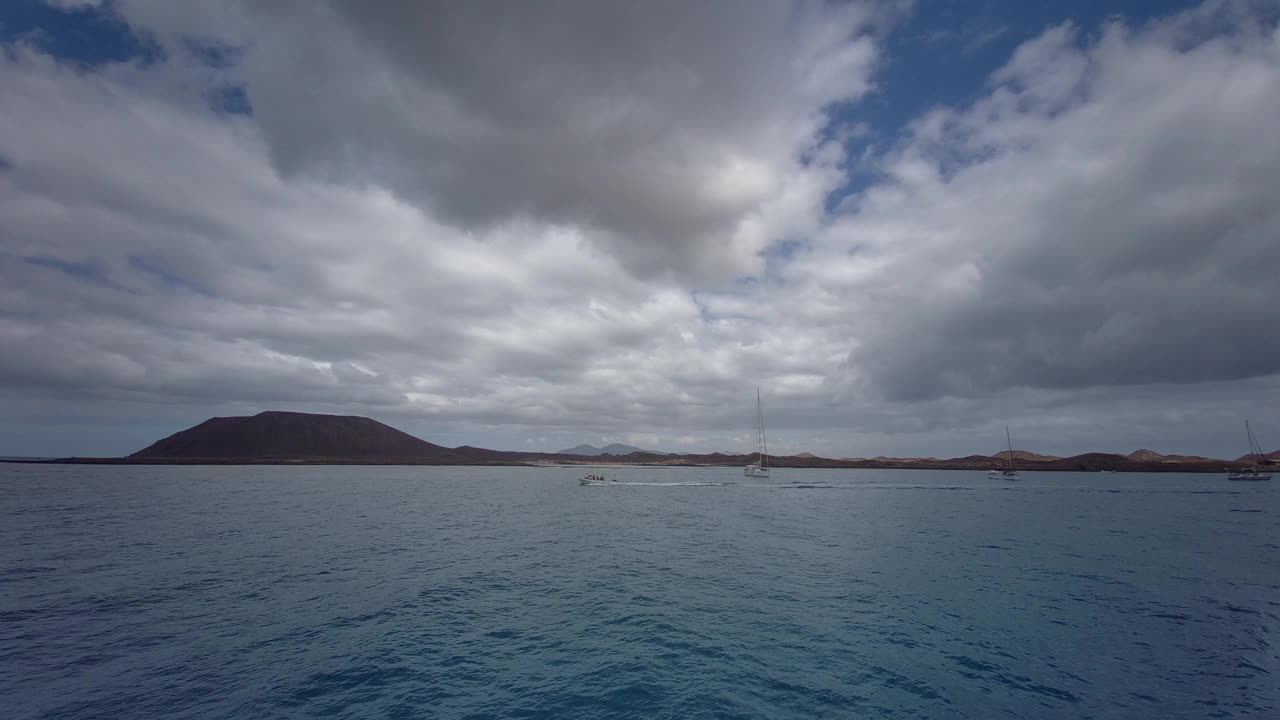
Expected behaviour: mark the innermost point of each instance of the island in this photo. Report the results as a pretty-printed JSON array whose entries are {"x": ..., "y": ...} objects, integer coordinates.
[{"x": 276, "y": 437}]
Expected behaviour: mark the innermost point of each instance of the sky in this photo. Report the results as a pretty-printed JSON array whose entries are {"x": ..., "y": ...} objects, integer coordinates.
[{"x": 526, "y": 226}]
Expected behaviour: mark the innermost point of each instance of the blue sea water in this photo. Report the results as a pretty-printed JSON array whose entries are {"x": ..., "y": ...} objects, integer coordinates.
[{"x": 427, "y": 592}]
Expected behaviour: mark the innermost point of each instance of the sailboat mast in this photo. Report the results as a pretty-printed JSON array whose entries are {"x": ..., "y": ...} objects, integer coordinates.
[
  {"x": 1254, "y": 448},
  {"x": 1009, "y": 439},
  {"x": 763, "y": 448}
]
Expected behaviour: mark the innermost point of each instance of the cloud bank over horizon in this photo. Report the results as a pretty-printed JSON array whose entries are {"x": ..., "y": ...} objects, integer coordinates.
[{"x": 529, "y": 226}]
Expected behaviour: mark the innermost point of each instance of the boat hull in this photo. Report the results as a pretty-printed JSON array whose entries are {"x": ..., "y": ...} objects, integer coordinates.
[
  {"x": 755, "y": 471},
  {"x": 1248, "y": 477}
]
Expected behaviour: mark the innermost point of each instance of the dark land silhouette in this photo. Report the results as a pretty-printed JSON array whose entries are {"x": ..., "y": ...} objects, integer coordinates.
[{"x": 275, "y": 437}]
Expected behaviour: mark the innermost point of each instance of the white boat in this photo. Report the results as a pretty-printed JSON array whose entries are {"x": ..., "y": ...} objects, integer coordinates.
[
  {"x": 759, "y": 468},
  {"x": 1006, "y": 473},
  {"x": 593, "y": 479},
  {"x": 1252, "y": 473}
]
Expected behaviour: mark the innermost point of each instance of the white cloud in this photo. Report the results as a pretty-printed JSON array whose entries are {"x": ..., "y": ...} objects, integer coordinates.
[
  {"x": 566, "y": 230},
  {"x": 676, "y": 134},
  {"x": 153, "y": 253},
  {"x": 1106, "y": 215}
]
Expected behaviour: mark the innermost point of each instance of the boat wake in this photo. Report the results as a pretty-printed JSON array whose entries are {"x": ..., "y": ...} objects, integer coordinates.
[{"x": 692, "y": 483}]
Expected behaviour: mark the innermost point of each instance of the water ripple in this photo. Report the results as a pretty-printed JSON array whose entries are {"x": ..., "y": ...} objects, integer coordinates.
[{"x": 499, "y": 593}]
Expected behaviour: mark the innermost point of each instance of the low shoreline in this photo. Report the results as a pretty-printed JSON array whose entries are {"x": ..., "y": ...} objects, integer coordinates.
[{"x": 806, "y": 464}]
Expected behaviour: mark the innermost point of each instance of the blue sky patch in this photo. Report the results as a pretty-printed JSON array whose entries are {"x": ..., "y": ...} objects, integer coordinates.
[
  {"x": 230, "y": 100},
  {"x": 171, "y": 280},
  {"x": 80, "y": 271},
  {"x": 944, "y": 55},
  {"x": 213, "y": 54},
  {"x": 88, "y": 37}
]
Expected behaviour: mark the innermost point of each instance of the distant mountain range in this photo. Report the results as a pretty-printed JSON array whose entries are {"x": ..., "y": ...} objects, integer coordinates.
[
  {"x": 614, "y": 449},
  {"x": 275, "y": 437},
  {"x": 1002, "y": 456}
]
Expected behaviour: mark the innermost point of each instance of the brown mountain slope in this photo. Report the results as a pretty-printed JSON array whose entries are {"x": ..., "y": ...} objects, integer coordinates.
[
  {"x": 275, "y": 434},
  {"x": 1025, "y": 455},
  {"x": 1270, "y": 458},
  {"x": 1145, "y": 455}
]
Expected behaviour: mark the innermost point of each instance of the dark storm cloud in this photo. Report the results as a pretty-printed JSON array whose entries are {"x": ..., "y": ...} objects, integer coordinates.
[{"x": 669, "y": 128}]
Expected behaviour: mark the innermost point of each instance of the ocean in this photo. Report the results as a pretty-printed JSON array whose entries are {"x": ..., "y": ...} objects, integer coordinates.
[{"x": 454, "y": 592}]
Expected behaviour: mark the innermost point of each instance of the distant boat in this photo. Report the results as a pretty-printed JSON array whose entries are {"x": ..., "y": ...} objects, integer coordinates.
[
  {"x": 593, "y": 479},
  {"x": 1006, "y": 473},
  {"x": 759, "y": 468},
  {"x": 1252, "y": 472}
]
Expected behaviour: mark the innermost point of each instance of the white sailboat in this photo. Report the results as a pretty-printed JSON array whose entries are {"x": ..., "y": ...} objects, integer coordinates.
[
  {"x": 1006, "y": 473},
  {"x": 1252, "y": 472},
  {"x": 759, "y": 468}
]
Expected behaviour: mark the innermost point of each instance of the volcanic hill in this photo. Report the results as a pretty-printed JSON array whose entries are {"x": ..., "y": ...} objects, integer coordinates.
[{"x": 276, "y": 434}]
